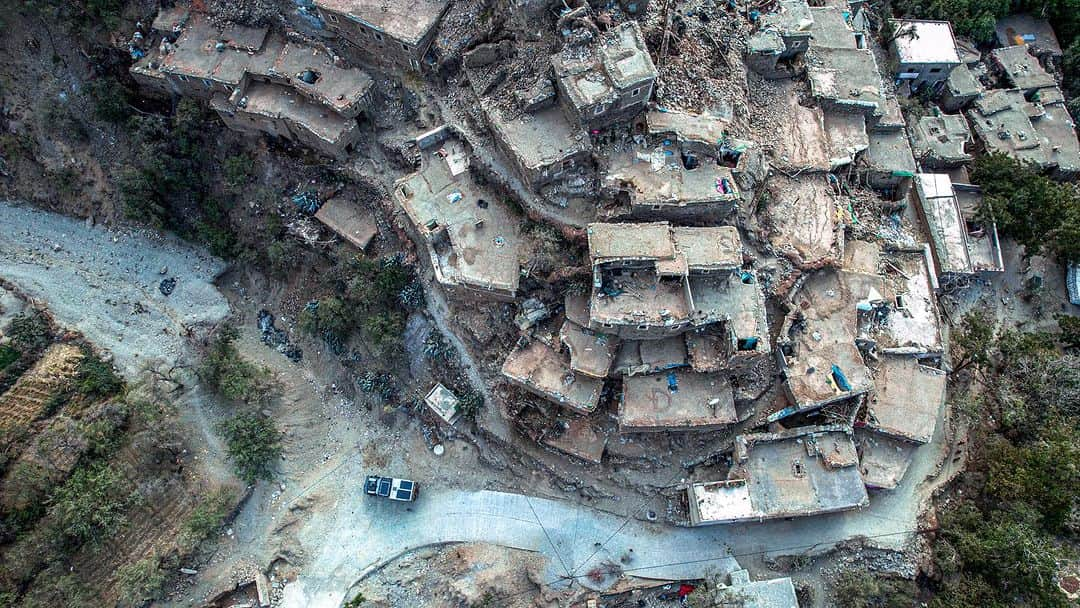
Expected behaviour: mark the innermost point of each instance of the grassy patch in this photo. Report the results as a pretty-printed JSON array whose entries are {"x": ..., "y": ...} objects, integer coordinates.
[
  {"x": 207, "y": 518},
  {"x": 96, "y": 380},
  {"x": 141, "y": 581}
]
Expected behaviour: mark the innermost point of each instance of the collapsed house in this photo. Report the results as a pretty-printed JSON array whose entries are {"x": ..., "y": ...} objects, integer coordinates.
[
  {"x": 800, "y": 219},
  {"x": 352, "y": 222},
  {"x": 606, "y": 81},
  {"x": 814, "y": 139},
  {"x": 794, "y": 473},
  {"x": 776, "y": 48},
  {"x": 1040, "y": 132},
  {"x": 256, "y": 81},
  {"x": 683, "y": 167},
  {"x": 471, "y": 237},
  {"x": 900, "y": 416},
  {"x": 940, "y": 141},
  {"x": 389, "y": 34},
  {"x": 656, "y": 280},
  {"x": 961, "y": 245},
  {"x": 960, "y": 89},
  {"x": 741, "y": 592}
]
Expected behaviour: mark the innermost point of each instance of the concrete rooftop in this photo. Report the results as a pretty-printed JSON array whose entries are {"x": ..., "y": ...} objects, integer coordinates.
[
  {"x": 930, "y": 42},
  {"x": 698, "y": 402},
  {"x": 483, "y": 235},
  {"x": 407, "y": 20}
]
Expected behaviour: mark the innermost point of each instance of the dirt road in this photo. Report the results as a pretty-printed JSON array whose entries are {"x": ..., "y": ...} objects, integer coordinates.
[{"x": 105, "y": 283}]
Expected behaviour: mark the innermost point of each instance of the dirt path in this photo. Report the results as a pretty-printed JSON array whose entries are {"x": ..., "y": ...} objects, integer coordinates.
[{"x": 104, "y": 283}]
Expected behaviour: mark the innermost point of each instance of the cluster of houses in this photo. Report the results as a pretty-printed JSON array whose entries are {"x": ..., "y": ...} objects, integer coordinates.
[{"x": 674, "y": 306}]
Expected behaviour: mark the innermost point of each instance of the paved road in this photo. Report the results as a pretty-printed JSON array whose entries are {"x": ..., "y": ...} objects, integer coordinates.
[
  {"x": 564, "y": 532},
  {"x": 369, "y": 533},
  {"x": 105, "y": 282}
]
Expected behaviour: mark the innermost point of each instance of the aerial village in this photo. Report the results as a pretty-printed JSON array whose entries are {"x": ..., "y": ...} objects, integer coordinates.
[
  {"x": 764, "y": 289},
  {"x": 751, "y": 312}
]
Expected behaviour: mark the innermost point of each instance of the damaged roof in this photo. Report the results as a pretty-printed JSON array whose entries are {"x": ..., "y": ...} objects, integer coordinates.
[
  {"x": 541, "y": 138},
  {"x": 546, "y": 372},
  {"x": 617, "y": 61},
  {"x": 798, "y": 472}
]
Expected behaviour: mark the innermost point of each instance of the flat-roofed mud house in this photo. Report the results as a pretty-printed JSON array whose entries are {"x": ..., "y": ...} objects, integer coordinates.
[
  {"x": 794, "y": 473},
  {"x": 608, "y": 81},
  {"x": 471, "y": 236},
  {"x": 258, "y": 82},
  {"x": 655, "y": 280},
  {"x": 393, "y": 33}
]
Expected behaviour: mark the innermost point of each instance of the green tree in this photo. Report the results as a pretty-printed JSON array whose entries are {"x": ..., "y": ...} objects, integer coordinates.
[
  {"x": 1041, "y": 214},
  {"x": 973, "y": 340},
  {"x": 254, "y": 443}
]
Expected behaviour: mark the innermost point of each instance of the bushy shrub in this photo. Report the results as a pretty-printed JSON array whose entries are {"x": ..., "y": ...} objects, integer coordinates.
[
  {"x": 226, "y": 371},
  {"x": 91, "y": 504},
  {"x": 254, "y": 443}
]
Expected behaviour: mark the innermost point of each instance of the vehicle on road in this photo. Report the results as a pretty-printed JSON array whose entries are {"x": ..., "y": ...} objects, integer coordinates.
[{"x": 404, "y": 490}]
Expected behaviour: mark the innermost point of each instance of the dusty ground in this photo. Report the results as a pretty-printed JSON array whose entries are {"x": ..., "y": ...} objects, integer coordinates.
[{"x": 455, "y": 575}]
